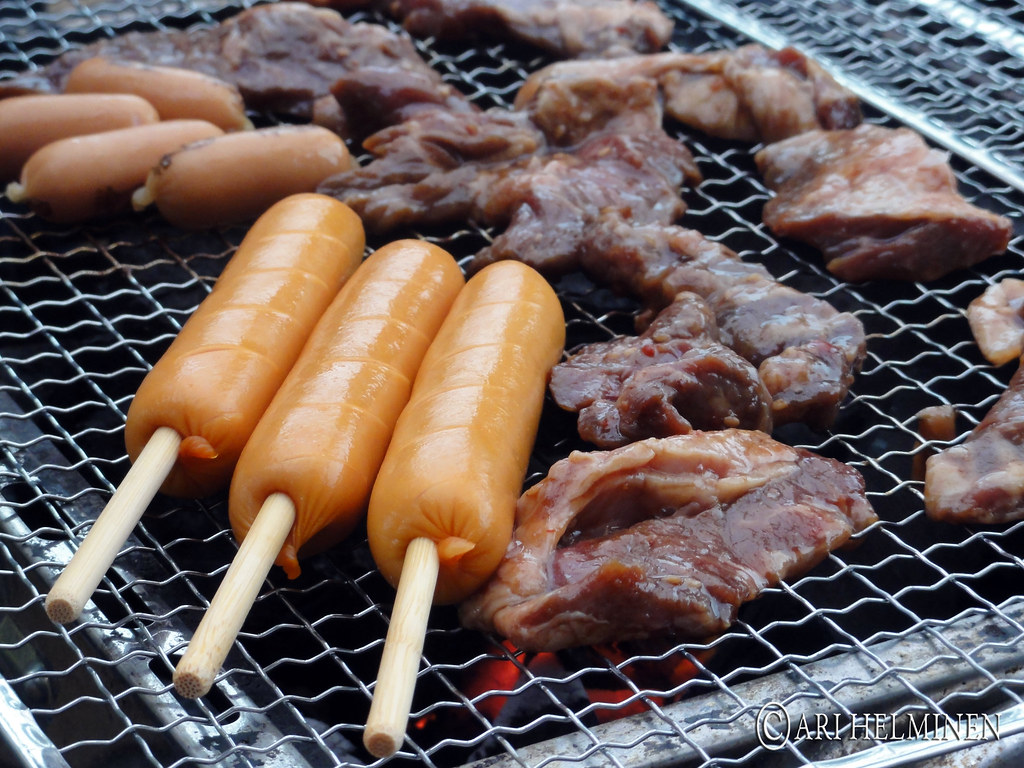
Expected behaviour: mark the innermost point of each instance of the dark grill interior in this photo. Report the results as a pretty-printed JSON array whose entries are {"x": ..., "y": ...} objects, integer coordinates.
[{"x": 920, "y": 617}]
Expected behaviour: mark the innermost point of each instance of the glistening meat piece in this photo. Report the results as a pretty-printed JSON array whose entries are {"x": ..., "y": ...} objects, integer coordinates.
[
  {"x": 674, "y": 378},
  {"x": 375, "y": 97},
  {"x": 551, "y": 205},
  {"x": 934, "y": 423},
  {"x": 498, "y": 168},
  {"x": 566, "y": 28},
  {"x": 435, "y": 166},
  {"x": 996, "y": 319},
  {"x": 878, "y": 203},
  {"x": 982, "y": 479},
  {"x": 748, "y": 94},
  {"x": 598, "y": 96},
  {"x": 805, "y": 350},
  {"x": 667, "y": 536},
  {"x": 283, "y": 57}
]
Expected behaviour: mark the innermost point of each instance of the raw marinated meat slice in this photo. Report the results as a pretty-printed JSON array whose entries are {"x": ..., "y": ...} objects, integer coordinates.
[
  {"x": 552, "y": 204},
  {"x": 285, "y": 58},
  {"x": 668, "y": 536},
  {"x": 997, "y": 321},
  {"x": 674, "y": 378},
  {"x": 748, "y": 94},
  {"x": 567, "y": 28},
  {"x": 805, "y": 350},
  {"x": 879, "y": 204},
  {"x": 981, "y": 480}
]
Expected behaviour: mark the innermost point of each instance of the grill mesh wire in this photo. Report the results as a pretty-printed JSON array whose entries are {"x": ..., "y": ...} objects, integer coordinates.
[{"x": 85, "y": 311}]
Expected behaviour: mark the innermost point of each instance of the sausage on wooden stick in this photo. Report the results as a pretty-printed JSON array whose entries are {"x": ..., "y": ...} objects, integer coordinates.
[
  {"x": 303, "y": 481},
  {"x": 443, "y": 506},
  {"x": 196, "y": 408}
]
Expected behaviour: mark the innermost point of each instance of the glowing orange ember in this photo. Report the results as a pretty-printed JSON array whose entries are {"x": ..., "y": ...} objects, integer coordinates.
[{"x": 494, "y": 681}]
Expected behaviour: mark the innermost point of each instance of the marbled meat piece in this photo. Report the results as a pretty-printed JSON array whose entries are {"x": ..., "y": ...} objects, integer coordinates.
[
  {"x": 550, "y": 206},
  {"x": 879, "y": 204},
  {"x": 996, "y": 319},
  {"x": 602, "y": 97},
  {"x": 498, "y": 168},
  {"x": 805, "y": 350},
  {"x": 981, "y": 480},
  {"x": 495, "y": 168},
  {"x": 750, "y": 94},
  {"x": 664, "y": 537},
  {"x": 284, "y": 57},
  {"x": 674, "y": 378},
  {"x": 935, "y": 423},
  {"x": 382, "y": 96},
  {"x": 565, "y": 28},
  {"x": 435, "y": 167}
]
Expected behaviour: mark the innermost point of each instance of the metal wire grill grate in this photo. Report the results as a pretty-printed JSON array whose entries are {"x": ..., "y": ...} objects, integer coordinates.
[
  {"x": 918, "y": 618},
  {"x": 951, "y": 68}
]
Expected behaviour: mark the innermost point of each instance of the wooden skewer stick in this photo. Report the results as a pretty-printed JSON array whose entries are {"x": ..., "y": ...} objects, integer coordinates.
[
  {"x": 194, "y": 675},
  {"x": 403, "y": 647},
  {"x": 81, "y": 576}
]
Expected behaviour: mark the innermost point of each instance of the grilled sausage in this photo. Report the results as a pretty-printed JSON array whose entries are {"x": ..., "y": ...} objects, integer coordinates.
[
  {"x": 237, "y": 176},
  {"x": 79, "y": 178},
  {"x": 220, "y": 373},
  {"x": 456, "y": 463},
  {"x": 28, "y": 123},
  {"x": 177, "y": 94},
  {"x": 324, "y": 435}
]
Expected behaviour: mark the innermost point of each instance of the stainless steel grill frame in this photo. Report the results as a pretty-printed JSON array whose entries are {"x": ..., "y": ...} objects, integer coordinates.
[{"x": 919, "y": 618}]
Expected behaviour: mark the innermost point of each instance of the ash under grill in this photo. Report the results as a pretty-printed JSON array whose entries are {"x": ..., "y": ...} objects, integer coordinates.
[{"x": 919, "y": 618}]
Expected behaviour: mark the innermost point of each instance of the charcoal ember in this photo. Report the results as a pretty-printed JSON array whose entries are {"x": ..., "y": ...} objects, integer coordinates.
[
  {"x": 664, "y": 537},
  {"x": 878, "y": 203}
]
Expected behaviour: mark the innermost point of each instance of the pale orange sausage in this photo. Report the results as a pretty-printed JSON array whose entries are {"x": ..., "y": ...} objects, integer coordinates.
[
  {"x": 220, "y": 373},
  {"x": 28, "y": 123},
  {"x": 324, "y": 435},
  {"x": 177, "y": 94},
  {"x": 79, "y": 178},
  {"x": 459, "y": 454},
  {"x": 237, "y": 176}
]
